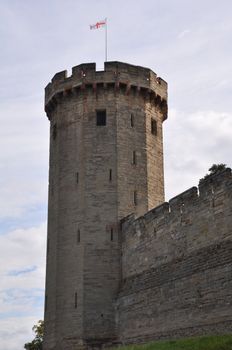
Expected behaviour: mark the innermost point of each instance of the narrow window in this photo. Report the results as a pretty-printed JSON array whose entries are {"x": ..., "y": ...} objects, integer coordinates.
[
  {"x": 134, "y": 158},
  {"x": 48, "y": 246},
  {"x": 46, "y": 302},
  {"x": 111, "y": 234},
  {"x": 110, "y": 175},
  {"x": 54, "y": 132},
  {"x": 75, "y": 300},
  {"x": 77, "y": 177},
  {"x": 132, "y": 120},
  {"x": 78, "y": 236},
  {"x": 101, "y": 117},
  {"x": 135, "y": 197},
  {"x": 153, "y": 126}
]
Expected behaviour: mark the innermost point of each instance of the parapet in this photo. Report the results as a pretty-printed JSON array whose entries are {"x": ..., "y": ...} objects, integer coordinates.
[
  {"x": 117, "y": 74},
  {"x": 210, "y": 187},
  {"x": 187, "y": 197},
  {"x": 213, "y": 182}
]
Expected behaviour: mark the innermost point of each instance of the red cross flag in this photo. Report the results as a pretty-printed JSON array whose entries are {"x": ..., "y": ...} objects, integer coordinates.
[{"x": 98, "y": 25}]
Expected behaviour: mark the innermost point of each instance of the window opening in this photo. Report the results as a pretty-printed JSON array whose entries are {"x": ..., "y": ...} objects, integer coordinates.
[
  {"x": 153, "y": 126},
  {"x": 78, "y": 236},
  {"x": 132, "y": 120},
  {"x": 134, "y": 158},
  {"x": 101, "y": 118}
]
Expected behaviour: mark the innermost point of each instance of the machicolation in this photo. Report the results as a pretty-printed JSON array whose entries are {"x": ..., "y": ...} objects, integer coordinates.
[{"x": 116, "y": 75}]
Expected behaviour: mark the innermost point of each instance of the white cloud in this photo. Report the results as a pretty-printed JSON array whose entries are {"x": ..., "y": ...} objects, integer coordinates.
[
  {"x": 193, "y": 142},
  {"x": 15, "y": 332},
  {"x": 19, "y": 250},
  {"x": 24, "y": 157},
  {"x": 22, "y": 294},
  {"x": 183, "y": 33}
]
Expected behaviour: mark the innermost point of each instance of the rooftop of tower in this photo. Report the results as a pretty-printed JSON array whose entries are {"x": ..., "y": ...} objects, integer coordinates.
[{"x": 116, "y": 74}]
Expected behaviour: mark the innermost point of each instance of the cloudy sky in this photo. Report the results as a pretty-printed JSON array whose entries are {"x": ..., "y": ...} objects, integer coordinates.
[{"x": 186, "y": 42}]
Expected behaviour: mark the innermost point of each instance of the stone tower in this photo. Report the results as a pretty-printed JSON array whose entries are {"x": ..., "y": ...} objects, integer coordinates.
[{"x": 106, "y": 162}]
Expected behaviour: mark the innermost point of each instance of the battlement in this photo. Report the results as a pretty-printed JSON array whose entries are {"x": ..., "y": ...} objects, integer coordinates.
[
  {"x": 121, "y": 76},
  {"x": 176, "y": 261},
  {"x": 208, "y": 189}
]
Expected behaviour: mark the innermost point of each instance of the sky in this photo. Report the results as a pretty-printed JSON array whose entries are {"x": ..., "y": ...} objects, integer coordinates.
[{"x": 186, "y": 42}]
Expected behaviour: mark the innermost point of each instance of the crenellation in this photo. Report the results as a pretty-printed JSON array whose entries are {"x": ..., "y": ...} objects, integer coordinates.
[
  {"x": 84, "y": 71},
  {"x": 214, "y": 183},
  {"x": 158, "y": 212},
  {"x": 184, "y": 199},
  {"x": 60, "y": 77},
  {"x": 116, "y": 73},
  {"x": 177, "y": 262}
]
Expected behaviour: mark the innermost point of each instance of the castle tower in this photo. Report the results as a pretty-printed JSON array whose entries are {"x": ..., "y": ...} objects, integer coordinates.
[{"x": 106, "y": 161}]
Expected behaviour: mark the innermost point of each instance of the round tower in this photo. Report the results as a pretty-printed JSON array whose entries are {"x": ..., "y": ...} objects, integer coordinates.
[{"x": 106, "y": 162}]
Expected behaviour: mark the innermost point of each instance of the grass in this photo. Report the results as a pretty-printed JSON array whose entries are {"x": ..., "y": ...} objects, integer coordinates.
[{"x": 223, "y": 342}]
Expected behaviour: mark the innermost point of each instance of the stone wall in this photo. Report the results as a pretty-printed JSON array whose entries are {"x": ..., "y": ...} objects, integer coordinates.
[
  {"x": 98, "y": 175},
  {"x": 177, "y": 266}
]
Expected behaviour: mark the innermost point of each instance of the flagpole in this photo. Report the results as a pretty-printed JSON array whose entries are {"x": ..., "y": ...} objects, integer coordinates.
[{"x": 106, "y": 40}]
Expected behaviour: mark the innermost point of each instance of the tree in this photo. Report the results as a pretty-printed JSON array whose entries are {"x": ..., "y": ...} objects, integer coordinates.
[
  {"x": 214, "y": 169},
  {"x": 217, "y": 168},
  {"x": 36, "y": 344}
]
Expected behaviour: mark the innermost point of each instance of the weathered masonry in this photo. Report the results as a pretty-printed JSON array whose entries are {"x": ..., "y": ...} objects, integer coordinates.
[
  {"x": 177, "y": 266},
  {"x": 106, "y": 162},
  {"x": 123, "y": 266}
]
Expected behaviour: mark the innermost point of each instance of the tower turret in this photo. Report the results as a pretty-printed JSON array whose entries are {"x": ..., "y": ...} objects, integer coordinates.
[{"x": 106, "y": 161}]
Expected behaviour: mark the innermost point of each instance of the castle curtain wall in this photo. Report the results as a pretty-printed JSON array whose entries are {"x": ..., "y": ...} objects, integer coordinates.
[{"x": 177, "y": 266}]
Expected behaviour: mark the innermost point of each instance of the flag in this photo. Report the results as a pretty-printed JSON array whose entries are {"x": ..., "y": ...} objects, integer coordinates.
[{"x": 98, "y": 25}]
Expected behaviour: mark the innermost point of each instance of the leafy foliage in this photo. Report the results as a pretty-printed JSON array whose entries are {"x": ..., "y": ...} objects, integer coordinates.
[
  {"x": 214, "y": 169},
  {"x": 36, "y": 344}
]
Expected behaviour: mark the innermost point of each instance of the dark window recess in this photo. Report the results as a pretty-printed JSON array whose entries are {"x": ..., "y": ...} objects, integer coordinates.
[
  {"x": 101, "y": 118},
  {"x": 54, "y": 132},
  {"x": 75, "y": 300},
  {"x": 46, "y": 302},
  {"x": 77, "y": 177},
  {"x": 135, "y": 199},
  {"x": 153, "y": 126},
  {"x": 78, "y": 236},
  {"x": 110, "y": 175},
  {"x": 111, "y": 235},
  {"x": 134, "y": 157},
  {"x": 132, "y": 120}
]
